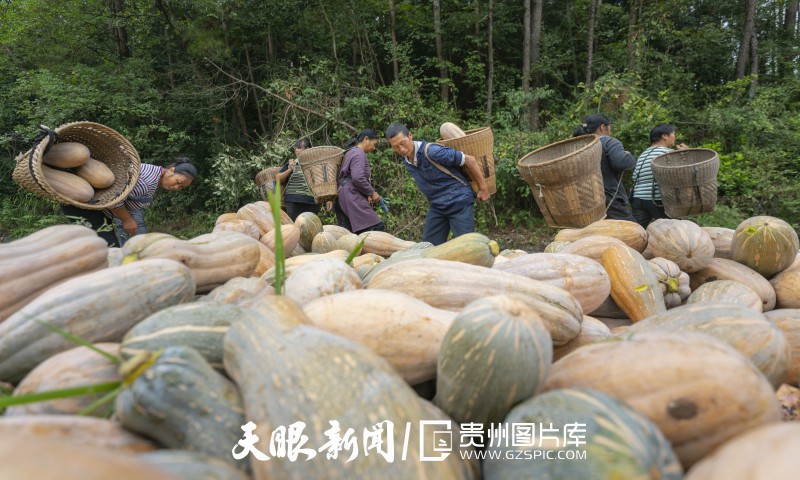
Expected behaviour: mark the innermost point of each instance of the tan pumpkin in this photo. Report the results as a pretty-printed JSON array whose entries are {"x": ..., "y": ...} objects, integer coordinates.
[
  {"x": 239, "y": 225},
  {"x": 335, "y": 230},
  {"x": 226, "y": 217},
  {"x": 323, "y": 243},
  {"x": 742, "y": 328},
  {"x": 592, "y": 330},
  {"x": 213, "y": 258},
  {"x": 450, "y": 130},
  {"x": 634, "y": 286},
  {"x": 383, "y": 243},
  {"x": 91, "y": 432},
  {"x": 681, "y": 241},
  {"x": 405, "y": 331},
  {"x": 631, "y": 233},
  {"x": 37, "y": 262},
  {"x": 592, "y": 246},
  {"x": 788, "y": 321},
  {"x": 68, "y": 184},
  {"x": 509, "y": 253},
  {"x": 768, "y": 245},
  {"x": 453, "y": 285},
  {"x": 259, "y": 215},
  {"x": 285, "y": 218},
  {"x": 765, "y": 452},
  {"x": 238, "y": 291},
  {"x": 363, "y": 264},
  {"x": 722, "y": 238},
  {"x": 73, "y": 368},
  {"x": 96, "y": 173},
  {"x": 66, "y": 155},
  {"x": 347, "y": 242},
  {"x": 724, "y": 269},
  {"x": 309, "y": 226},
  {"x": 787, "y": 289},
  {"x": 583, "y": 277},
  {"x": 293, "y": 262},
  {"x": 555, "y": 246},
  {"x": 290, "y": 235},
  {"x": 673, "y": 282},
  {"x": 265, "y": 261},
  {"x": 727, "y": 291},
  {"x": 324, "y": 276},
  {"x": 659, "y": 375}
]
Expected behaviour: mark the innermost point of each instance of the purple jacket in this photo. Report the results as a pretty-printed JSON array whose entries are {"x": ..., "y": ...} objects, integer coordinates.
[{"x": 355, "y": 188}]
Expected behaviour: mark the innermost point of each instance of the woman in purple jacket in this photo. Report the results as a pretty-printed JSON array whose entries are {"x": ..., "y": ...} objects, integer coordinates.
[{"x": 356, "y": 193}]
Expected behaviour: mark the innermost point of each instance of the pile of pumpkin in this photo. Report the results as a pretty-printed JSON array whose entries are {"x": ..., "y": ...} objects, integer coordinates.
[
  {"x": 705, "y": 328},
  {"x": 70, "y": 171}
]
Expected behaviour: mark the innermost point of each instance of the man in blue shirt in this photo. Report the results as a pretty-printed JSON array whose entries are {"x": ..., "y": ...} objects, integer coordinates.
[{"x": 434, "y": 168}]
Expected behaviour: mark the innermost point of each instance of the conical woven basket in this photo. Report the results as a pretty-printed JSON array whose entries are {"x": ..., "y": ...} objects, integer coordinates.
[
  {"x": 320, "y": 168},
  {"x": 480, "y": 144},
  {"x": 266, "y": 179},
  {"x": 105, "y": 145},
  {"x": 688, "y": 181},
  {"x": 566, "y": 181}
]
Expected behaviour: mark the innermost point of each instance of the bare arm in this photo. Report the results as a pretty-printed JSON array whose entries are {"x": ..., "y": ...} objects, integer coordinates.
[
  {"x": 128, "y": 223},
  {"x": 474, "y": 170}
]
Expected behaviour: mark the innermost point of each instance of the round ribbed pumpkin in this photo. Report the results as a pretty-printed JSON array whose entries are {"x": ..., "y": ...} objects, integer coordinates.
[
  {"x": 620, "y": 442},
  {"x": 768, "y": 245},
  {"x": 324, "y": 242},
  {"x": 346, "y": 242},
  {"x": 496, "y": 353},
  {"x": 309, "y": 225},
  {"x": 727, "y": 291},
  {"x": 673, "y": 282},
  {"x": 788, "y": 321},
  {"x": 681, "y": 241},
  {"x": 699, "y": 391}
]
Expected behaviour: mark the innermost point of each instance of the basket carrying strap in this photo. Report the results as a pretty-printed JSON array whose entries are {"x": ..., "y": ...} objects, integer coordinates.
[
  {"x": 43, "y": 132},
  {"x": 440, "y": 167}
]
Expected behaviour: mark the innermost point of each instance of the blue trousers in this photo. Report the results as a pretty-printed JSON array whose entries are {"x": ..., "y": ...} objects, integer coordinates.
[
  {"x": 438, "y": 223},
  {"x": 122, "y": 235}
]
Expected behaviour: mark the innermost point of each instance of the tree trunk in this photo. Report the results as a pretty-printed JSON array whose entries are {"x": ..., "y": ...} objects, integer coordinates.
[
  {"x": 270, "y": 43},
  {"x": 255, "y": 92},
  {"x": 788, "y": 58},
  {"x": 333, "y": 38},
  {"x": 747, "y": 34},
  {"x": 477, "y": 19},
  {"x": 753, "y": 64},
  {"x": 569, "y": 15},
  {"x": 593, "y": 7},
  {"x": 536, "y": 53},
  {"x": 437, "y": 29},
  {"x": 490, "y": 61},
  {"x": 633, "y": 32},
  {"x": 393, "y": 23},
  {"x": 526, "y": 55},
  {"x": 120, "y": 32}
]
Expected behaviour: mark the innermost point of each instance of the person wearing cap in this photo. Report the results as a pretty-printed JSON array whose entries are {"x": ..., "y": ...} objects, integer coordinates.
[
  {"x": 128, "y": 216},
  {"x": 435, "y": 170},
  {"x": 356, "y": 194}
]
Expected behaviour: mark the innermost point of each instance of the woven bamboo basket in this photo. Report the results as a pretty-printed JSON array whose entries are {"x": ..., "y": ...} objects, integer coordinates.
[
  {"x": 105, "y": 145},
  {"x": 320, "y": 169},
  {"x": 266, "y": 180},
  {"x": 480, "y": 144},
  {"x": 566, "y": 181},
  {"x": 688, "y": 181}
]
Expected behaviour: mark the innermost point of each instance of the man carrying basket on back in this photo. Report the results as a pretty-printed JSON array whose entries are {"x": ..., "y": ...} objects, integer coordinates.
[{"x": 434, "y": 169}]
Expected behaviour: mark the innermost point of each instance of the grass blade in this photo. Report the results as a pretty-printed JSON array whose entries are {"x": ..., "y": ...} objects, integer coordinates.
[
  {"x": 280, "y": 257},
  {"x": 354, "y": 253},
  {"x": 79, "y": 341},
  {"x": 8, "y": 401},
  {"x": 110, "y": 396}
]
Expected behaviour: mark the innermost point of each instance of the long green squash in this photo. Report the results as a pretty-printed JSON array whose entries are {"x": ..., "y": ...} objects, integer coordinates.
[
  {"x": 181, "y": 402},
  {"x": 97, "y": 307},
  {"x": 619, "y": 442},
  {"x": 290, "y": 372}
]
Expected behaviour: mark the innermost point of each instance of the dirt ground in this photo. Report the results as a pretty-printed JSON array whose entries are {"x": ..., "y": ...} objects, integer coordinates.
[{"x": 520, "y": 238}]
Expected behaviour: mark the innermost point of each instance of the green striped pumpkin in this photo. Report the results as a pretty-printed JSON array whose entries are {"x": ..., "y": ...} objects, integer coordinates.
[
  {"x": 768, "y": 245},
  {"x": 181, "y": 402},
  {"x": 620, "y": 442},
  {"x": 741, "y": 327},
  {"x": 309, "y": 225},
  {"x": 200, "y": 325},
  {"x": 496, "y": 353}
]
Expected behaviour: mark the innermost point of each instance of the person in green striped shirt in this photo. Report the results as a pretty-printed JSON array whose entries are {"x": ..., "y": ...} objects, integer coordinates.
[
  {"x": 646, "y": 196},
  {"x": 297, "y": 194}
]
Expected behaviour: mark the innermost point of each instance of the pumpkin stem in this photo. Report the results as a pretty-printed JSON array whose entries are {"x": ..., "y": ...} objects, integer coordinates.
[
  {"x": 672, "y": 285},
  {"x": 494, "y": 248},
  {"x": 130, "y": 258},
  {"x": 136, "y": 365}
]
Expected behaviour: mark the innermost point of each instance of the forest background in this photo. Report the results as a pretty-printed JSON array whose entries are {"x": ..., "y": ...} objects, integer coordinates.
[{"x": 232, "y": 83}]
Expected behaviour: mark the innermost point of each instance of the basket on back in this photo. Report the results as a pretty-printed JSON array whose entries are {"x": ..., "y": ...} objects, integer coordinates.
[
  {"x": 688, "y": 181},
  {"x": 266, "y": 180},
  {"x": 566, "y": 181},
  {"x": 480, "y": 144},
  {"x": 105, "y": 145},
  {"x": 320, "y": 168}
]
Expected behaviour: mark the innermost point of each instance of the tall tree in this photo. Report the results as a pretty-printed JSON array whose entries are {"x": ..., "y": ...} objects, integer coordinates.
[
  {"x": 444, "y": 84},
  {"x": 119, "y": 30},
  {"x": 593, "y": 7},
  {"x": 526, "y": 54},
  {"x": 748, "y": 48},
  {"x": 393, "y": 28},
  {"x": 790, "y": 25},
  {"x": 490, "y": 61},
  {"x": 634, "y": 31},
  {"x": 536, "y": 54}
]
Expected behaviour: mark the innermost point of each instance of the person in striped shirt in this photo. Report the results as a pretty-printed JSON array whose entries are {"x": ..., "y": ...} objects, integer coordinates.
[
  {"x": 128, "y": 216},
  {"x": 297, "y": 194},
  {"x": 646, "y": 196}
]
